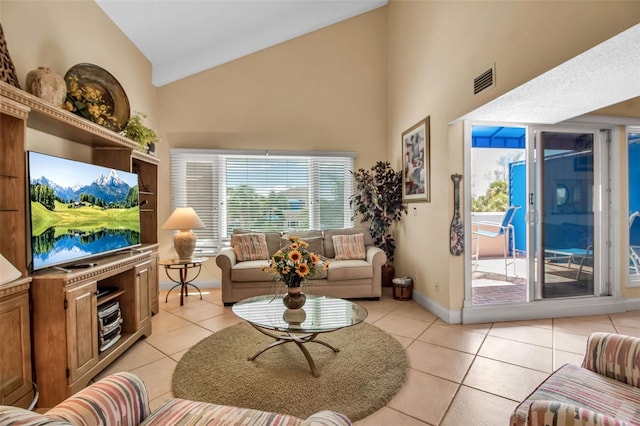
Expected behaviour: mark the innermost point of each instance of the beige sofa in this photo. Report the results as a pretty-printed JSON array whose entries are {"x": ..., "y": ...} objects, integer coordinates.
[{"x": 347, "y": 279}]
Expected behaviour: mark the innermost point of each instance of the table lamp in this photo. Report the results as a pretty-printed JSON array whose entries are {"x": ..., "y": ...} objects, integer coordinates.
[
  {"x": 184, "y": 219},
  {"x": 8, "y": 272}
]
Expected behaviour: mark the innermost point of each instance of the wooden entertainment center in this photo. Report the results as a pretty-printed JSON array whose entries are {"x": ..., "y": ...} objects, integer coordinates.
[{"x": 58, "y": 310}]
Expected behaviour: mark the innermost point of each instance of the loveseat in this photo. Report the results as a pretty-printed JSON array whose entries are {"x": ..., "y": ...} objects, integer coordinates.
[
  {"x": 352, "y": 274},
  {"x": 605, "y": 390},
  {"x": 121, "y": 400}
]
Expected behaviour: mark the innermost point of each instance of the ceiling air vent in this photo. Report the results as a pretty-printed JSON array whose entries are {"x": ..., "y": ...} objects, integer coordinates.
[{"x": 484, "y": 81}]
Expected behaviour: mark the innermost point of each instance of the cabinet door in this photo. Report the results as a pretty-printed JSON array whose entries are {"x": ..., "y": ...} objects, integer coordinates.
[
  {"x": 154, "y": 283},
  {"x": 82, "y": 329},
  {"x": 15, "y": 350},
  {"x": 12, "y": 185},
  {"x": 143, "y": 302}
]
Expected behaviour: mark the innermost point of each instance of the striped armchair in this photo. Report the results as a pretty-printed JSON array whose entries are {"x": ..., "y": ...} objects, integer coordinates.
[
  {"x": 121, "y": 400},
  {"x": 604, "y": 391}
]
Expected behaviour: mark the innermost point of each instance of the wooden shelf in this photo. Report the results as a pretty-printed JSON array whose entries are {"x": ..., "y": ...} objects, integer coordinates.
[
  {"x": 14, "y": 286},
  {"x": 13, "y": 108},
  {"x": 109, "y": 297},
  {"x": 147, "y": 189},
  {"x": 145, "y": 157},
  {"x": 13, "y": 198},
  {"x": 59, "y": 122}
]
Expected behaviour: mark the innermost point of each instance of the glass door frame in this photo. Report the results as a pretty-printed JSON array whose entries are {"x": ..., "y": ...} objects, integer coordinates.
[
  {"x": 632, "y": 280},
  {"x": 603, "y": 202},
  {"x": 601, "y": 208}
]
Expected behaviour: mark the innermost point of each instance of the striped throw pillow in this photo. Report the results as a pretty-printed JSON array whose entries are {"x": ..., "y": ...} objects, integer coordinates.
[
  {"x": 250, "y": 247},
  {"x": 349, "y": 247}
]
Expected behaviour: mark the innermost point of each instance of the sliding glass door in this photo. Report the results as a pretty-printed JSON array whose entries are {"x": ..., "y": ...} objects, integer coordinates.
[
  {"x": 565, "y": 247},
  {"x": 556, "y": 245}
]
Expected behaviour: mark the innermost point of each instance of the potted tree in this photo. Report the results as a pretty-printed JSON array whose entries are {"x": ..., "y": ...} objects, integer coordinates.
[
  {"x": 137, "y": 131},
  {"x": 378, "y": 200}
]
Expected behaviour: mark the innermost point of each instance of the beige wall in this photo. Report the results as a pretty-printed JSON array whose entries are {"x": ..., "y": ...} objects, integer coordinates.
[
  {"x": 435, "y": 51},
  {"x": 325, "y": 91}
]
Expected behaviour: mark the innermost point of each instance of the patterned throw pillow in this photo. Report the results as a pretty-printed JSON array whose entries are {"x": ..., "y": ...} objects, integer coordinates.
[
  {"x": 349, "y": 247},
  {"x": 250, "y": 247}
]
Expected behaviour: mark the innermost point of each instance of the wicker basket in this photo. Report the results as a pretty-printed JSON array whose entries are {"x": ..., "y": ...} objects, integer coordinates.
[{"x": 402, "y": 288}]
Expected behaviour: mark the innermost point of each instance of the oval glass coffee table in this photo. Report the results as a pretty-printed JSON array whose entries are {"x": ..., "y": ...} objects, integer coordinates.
[{"x": 320, "y": 314}]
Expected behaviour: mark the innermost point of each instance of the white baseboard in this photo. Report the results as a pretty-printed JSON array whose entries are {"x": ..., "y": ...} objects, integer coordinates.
[
  {"x": 548, "y": 309},
  {"x": 450, "y": 317},
  {"x": 528, "y": 311}
]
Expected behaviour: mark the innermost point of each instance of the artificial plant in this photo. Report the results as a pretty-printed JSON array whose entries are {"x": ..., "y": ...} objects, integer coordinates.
[
  {"x": 378, "y": 200},
  {"x": 137, "y": 131}
]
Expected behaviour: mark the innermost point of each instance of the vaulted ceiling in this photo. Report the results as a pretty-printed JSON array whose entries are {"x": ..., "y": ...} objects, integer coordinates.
[{"x": 183, "y": 37}]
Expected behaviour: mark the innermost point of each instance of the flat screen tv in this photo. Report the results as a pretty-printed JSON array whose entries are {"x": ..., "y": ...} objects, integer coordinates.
[{"x": 79, "y": 211}]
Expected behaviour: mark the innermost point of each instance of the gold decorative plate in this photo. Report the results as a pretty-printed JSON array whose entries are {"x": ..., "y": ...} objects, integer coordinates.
[{"x": 113, "y": 95}]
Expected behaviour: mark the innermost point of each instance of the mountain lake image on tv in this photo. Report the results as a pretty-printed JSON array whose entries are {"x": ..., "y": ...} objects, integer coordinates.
[{"x": 79, "y": 210}]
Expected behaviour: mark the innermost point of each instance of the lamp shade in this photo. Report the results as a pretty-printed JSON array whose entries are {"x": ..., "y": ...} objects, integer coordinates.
[
  {"x": 184, "y": 241},
  {"x": 183, "y": 218},
  {"x": 8, "y": 272}
]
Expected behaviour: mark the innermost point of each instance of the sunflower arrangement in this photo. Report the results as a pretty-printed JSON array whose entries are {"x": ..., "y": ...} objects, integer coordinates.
[
  {"x": 295, "y": 263},
  {"x": 87, "y": 102}
]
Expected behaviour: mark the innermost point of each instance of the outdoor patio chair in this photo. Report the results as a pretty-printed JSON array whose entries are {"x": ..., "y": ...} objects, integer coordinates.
[
  {"x": 498, "y": 229},
  {"x": 570, "y": 256}
]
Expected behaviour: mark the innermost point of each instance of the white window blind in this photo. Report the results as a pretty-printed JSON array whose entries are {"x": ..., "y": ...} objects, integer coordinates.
[{"x": 262, "y": 192}]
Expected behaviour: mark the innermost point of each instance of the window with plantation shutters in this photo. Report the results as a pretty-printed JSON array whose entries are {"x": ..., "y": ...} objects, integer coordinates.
[{"x": 262, "y": 192}]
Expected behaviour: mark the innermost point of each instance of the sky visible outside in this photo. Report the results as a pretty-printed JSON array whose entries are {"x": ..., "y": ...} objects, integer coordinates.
[{"x": 484, "y": 164}]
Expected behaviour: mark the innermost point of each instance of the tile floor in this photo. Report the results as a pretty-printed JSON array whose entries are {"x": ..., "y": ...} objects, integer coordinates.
[{"x": 457, "y": 372}]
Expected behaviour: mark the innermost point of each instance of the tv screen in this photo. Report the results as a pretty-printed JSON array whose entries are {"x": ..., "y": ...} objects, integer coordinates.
[{"x": 79, "y": 210}]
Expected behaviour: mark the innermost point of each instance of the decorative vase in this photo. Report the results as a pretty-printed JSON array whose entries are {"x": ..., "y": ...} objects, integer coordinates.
[
  {"x": 47, "y": 85},
  {"x": 294, "y": 299}
]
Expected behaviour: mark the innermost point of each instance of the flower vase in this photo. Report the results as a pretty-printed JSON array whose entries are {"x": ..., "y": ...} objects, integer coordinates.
[{"x": 294, "y": 299}]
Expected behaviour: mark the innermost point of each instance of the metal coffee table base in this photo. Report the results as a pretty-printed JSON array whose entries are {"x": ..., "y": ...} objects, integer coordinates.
[{"x": 298, "y": 339}]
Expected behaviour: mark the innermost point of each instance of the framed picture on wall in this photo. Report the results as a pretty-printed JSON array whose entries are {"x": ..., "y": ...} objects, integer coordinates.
[{"x": 416, "y": 170}]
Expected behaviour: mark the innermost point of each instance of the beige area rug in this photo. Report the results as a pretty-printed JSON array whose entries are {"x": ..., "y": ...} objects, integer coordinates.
[{"x": 360, "y": 379}]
